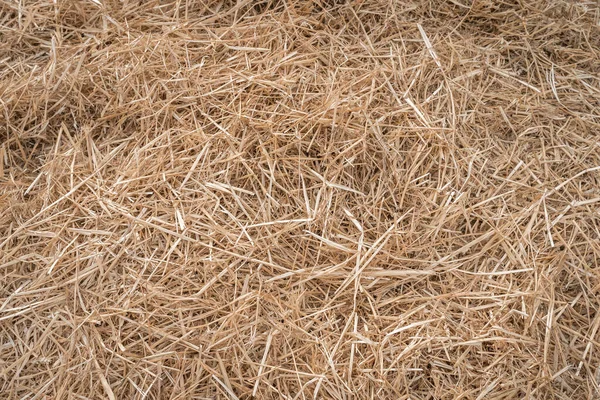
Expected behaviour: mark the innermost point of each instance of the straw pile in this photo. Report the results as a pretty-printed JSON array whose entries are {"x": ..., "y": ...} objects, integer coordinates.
[{"x": 315, "y": 199}]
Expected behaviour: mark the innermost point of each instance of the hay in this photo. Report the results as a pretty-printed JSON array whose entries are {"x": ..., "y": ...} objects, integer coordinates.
[{"x": 311, "y": 199}]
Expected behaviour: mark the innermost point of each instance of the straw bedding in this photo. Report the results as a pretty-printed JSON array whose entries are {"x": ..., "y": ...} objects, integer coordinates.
[{"x": 359, "y": 199}]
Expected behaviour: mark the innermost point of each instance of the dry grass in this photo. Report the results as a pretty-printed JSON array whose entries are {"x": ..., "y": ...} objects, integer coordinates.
[{"x": 314, "y": 199}]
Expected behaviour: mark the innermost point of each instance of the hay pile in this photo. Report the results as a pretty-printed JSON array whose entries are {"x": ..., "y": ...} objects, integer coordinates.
[{"x": 315, "y": 199}]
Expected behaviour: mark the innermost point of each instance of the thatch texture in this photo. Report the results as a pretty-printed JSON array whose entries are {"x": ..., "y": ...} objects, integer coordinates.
[{"x": 359, "y": 199}]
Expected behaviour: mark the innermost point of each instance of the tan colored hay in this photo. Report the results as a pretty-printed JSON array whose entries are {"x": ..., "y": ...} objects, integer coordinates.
[{"x": 311, "y": 199}]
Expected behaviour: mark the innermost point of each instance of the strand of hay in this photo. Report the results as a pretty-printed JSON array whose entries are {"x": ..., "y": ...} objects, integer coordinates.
[{"x": 359, "y": 199}]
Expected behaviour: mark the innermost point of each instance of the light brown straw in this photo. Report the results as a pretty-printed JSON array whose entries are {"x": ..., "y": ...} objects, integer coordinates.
[{"x": 361, "y": 199}]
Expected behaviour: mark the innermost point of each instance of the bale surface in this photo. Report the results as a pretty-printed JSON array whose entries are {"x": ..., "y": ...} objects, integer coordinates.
[{"x": 362, "y": 199}]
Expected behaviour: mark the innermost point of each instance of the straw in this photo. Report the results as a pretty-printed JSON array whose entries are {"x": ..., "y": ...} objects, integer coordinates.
[{"x": 355, "y": 199}]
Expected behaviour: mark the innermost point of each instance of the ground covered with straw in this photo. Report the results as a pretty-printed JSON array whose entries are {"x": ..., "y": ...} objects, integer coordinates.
[{"x": 364, "y": 199}]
